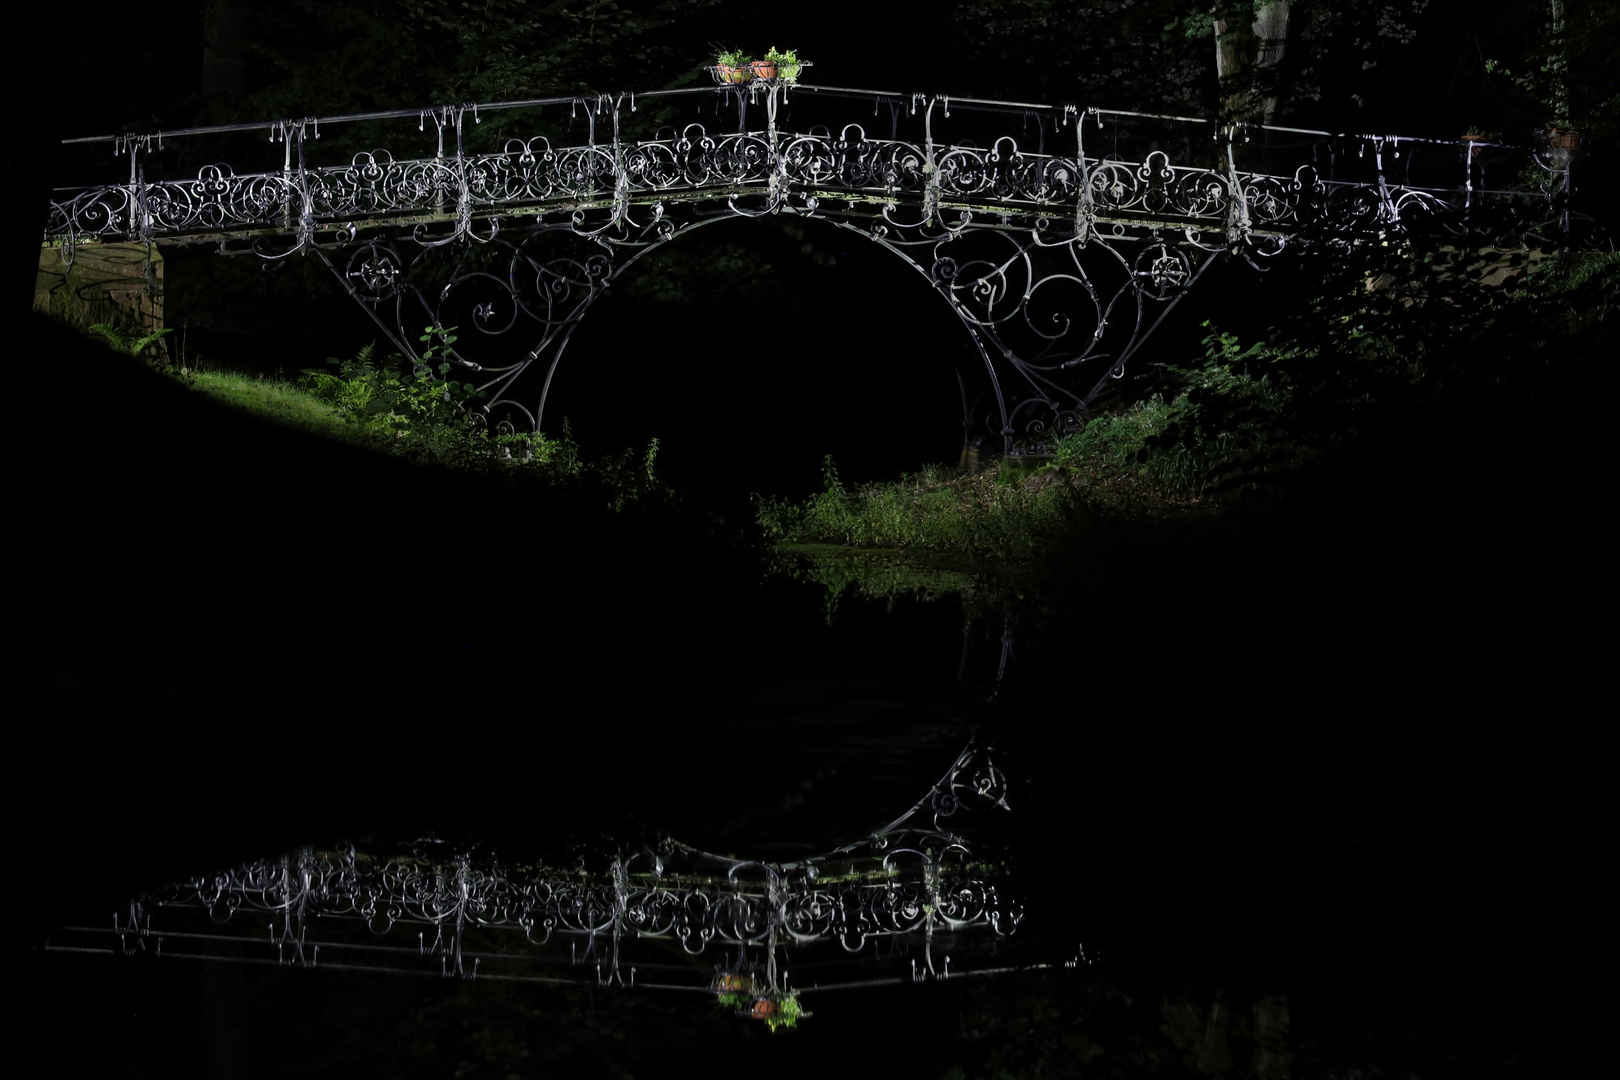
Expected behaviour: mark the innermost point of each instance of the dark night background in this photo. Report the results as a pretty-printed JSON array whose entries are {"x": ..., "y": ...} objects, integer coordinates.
[{"x": 1347, "y": 753}]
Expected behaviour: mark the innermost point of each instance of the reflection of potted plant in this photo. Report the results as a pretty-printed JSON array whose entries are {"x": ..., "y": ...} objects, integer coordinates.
[
  {"x": 778, "y": 1012},
  {"x": 734, "y": 991},
  {"x": 732, "y": 66},
  {"x": 741, "y": 994}
]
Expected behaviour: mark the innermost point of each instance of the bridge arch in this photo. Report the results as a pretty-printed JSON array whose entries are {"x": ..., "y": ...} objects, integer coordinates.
[
  {"x": 736, "y": 337},
  {"x": 527, "y": 398}
]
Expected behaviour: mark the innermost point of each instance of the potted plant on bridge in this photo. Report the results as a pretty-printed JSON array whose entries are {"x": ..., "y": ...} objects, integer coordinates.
[
  {"x": 732, "y": 66},
  {"x": 786, "y": 63}
]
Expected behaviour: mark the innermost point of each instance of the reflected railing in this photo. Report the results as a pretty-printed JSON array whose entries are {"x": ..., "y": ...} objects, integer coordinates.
[{"x": 912, "y": 901}]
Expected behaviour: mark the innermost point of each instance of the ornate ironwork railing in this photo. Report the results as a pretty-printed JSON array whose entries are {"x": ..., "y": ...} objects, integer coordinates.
[
  {"x": 640, "y": 919},
  {"x": 1059, "y": 236},
  {"x": 1353, "y": 185}
]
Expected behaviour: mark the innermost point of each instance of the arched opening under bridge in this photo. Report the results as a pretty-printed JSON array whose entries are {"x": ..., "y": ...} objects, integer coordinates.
[{"x": 754, "y": 347}]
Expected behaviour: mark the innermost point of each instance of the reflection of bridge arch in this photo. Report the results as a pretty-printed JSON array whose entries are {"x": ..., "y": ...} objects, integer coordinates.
[{"x": 1060, "y": 238}]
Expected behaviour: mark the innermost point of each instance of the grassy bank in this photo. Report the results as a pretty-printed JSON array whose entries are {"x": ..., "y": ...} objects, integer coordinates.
[
  {"x": 406, "y": 410},
  {"x": 1011, "y": 512},
  {"x": 276, "y": 399},
  {"x": 1405, "y": 384}
]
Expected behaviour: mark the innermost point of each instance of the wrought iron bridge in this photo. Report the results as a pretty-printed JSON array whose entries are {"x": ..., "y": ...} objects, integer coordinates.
[{"x": 1060, "y": 237}]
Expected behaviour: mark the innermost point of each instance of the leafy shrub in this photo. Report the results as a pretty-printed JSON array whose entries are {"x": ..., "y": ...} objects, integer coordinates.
[{"x": 397, "y": 396}]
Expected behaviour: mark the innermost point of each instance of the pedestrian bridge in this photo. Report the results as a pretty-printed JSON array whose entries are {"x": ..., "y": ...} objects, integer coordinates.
[{"x": 1059, "y": 236}]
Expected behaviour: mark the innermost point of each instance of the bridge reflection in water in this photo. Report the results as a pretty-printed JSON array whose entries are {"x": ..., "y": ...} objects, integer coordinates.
[
  {"x": 1059, "y": 237},
  {"x": 911, "y": 902}
]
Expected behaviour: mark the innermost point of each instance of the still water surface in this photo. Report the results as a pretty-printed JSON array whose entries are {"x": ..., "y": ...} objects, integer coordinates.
[{"x": 1214, "y": 878}]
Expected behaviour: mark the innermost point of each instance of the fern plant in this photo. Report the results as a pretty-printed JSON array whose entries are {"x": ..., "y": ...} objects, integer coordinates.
[{"x": 130, "y": 346}]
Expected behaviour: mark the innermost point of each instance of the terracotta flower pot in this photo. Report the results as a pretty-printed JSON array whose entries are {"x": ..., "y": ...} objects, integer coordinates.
[
  {"x": 764, "y": 69},
  {"x": 730, "y": 74},
  {"x": 764, "y": 1009}
]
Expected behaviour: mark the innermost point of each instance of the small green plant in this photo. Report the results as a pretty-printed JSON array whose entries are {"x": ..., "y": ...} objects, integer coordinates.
[
  {"x": 633, "y": 482},
  {"x": 829, "y": 477},
  {"x": 440, "y": 339}
]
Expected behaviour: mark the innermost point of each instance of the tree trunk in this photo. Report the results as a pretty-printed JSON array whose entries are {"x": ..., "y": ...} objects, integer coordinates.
[
  {"x": 1247, "y": 54},
  {"x": 1271, "y": 39}
]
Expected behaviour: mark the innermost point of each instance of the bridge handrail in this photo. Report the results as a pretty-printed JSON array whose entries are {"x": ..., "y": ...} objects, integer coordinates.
[
  {"x": 397, "y": 114},
  {"x": 948, "y": 101}
]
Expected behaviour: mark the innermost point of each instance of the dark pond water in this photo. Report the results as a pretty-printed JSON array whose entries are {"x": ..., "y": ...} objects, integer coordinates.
[{"x": 1263, "y": 781}]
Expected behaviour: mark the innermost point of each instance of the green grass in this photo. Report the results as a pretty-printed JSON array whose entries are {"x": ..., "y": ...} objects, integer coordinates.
[
  {"x": 340, "y": 407},
  {"x": 273, "y": 398},
  {"x": 395, "y": 407}
]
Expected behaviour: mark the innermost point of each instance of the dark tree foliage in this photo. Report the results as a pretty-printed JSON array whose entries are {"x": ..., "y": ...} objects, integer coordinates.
[
  {"x": 1422, "y": 344},
  {"x": 1160, "y": 55},
  {"x": 313, "y": 58}
]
